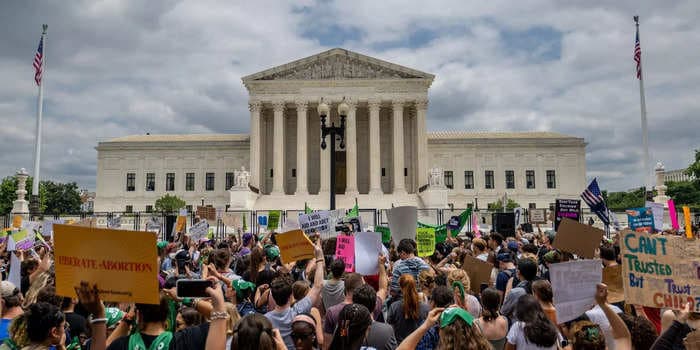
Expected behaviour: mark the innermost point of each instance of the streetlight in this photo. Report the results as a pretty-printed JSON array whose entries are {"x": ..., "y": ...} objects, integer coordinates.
[{"x": 333, "y": 131}]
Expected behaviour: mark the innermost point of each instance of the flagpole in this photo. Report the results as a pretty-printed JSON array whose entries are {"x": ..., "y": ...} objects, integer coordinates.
[
  {"x": 645, "y": 131},
  {"x": 34, "y": 200}
]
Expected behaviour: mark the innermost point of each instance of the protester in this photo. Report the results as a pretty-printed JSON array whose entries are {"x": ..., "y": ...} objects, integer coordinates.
[
  {"x": 11, "y": 307},
  {"x": 492, "y": 324},
  {"x": 542, "y": 290},
  {"x": 409, "y": 263},
  {"x": 353, "y": 323},
  {"x": 533, "y": 330},
  {"x": 304, "y": 333},
  {"x": 333, "y": 289},
  {"x": 381, "y": 335},
  {"x": 406, "y": 314}
]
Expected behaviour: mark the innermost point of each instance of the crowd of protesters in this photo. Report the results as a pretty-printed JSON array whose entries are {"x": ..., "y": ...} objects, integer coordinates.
[{"x": 257, "y": 302}]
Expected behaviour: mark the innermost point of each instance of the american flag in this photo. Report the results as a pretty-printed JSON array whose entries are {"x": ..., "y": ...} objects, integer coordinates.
[
  {"x": 595, "y": 201},
  {"x": 638, "y": 56},
  {"x": 39, "y": 62}
]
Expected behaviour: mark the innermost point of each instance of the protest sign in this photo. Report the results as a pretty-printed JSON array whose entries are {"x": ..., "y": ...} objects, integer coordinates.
[
  {"x": 181, "y": 223},
  {"x": 114, "y": 222},
  {"x": 232, "y": 219},
  {"x": 273, "y": 219},
  {"x": 688, "y": 224},
  {"x": 294, "y": 246},
  {"x": 154, "y": 224},
  {"x": 657, "y": 209},
  {"x": 519, "y": 214},
  {"x": 673, "y": 215},
  {"x": 479, "y": 272},
  {"x": 566, "y": 209},
  {"x": 640, "y": 219},
  {"x": 403, "y": 222},
  {"x": 368, "y": 245},
  {"x": 475, "y": 225},
  {"x": 316, "y": 221},
  {"x": 17, "y": 221},
  {"x": 345, "y": 250},
  {"x": 574, "y": 286},
  {"x": 537, "y": 216},
  {"x": 453, "y": 223},
  {"x": 660, "y": 271},
  {"x": 578, "y": 238},
  {"x": 208, "y": 213},
  {"x": 23, "y": 238},
  {"x": 262, "y": 221},
  {"x": 425, "y": 240},
  {"x": 47, "y": 226},
  {"x": 87, "y": 222},
  {"x": 385, "y": 232},
  {"x": 199, "y": 230},
  {"x": 122, "y": 263},
  {"x": 612, "y": 277}
]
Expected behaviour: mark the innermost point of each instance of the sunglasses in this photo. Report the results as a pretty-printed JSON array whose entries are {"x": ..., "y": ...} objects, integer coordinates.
[{"x": 297, "y": 336}]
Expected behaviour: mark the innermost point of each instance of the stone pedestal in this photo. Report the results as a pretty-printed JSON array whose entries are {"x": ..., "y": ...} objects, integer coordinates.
[
  {"x": 660, "y": 187},
  {"x": 242, "y": 199},
  {"x": 434, "y": 198},
  {"x": 21, "y": 205}
]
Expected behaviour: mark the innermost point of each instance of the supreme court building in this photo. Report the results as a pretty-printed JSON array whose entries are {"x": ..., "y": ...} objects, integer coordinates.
[{"x": 389, "y": 158}]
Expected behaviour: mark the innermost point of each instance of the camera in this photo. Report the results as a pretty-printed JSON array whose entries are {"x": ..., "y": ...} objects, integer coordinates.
[{"x": 342, "y": 227}]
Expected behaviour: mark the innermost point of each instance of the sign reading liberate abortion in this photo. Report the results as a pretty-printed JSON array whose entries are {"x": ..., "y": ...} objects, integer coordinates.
[{"x": 660, "y": 271}]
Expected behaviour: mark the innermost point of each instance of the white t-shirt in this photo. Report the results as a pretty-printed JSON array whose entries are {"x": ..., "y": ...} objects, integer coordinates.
[
  {"x": 597, "y": 316},
  {"x": 516, "y": 336}
]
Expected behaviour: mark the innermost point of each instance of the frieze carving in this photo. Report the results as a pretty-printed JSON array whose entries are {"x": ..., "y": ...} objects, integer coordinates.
[{"x": 338, "y": 67}]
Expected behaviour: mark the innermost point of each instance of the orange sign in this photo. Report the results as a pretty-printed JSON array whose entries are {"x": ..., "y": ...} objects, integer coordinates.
[
  {"x": 181, "y": 224},
  {"x": 122, "y": 263},
  {"x": 17, "y": 221},
  {"x": 294, "y": 246}
]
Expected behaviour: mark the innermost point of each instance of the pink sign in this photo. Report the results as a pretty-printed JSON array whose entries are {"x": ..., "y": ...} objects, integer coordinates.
[
  {"x": 345, "y": 250},
  {"x": 475, "y": 225},
  {"x": 673, "y": 215}
]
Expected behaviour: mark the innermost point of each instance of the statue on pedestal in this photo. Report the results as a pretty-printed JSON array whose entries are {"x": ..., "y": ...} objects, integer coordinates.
[
  {"x": 660, "y": 187},
  {"x": 436, "y": 178},
  {"x": 241, "y": 178}
]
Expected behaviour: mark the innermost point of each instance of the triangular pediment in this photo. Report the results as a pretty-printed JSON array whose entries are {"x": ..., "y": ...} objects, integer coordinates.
[{"x": 338, "y": 64}]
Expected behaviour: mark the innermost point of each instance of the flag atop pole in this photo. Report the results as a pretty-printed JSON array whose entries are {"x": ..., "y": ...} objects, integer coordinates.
[
  {"x": 645, "y": 133},
  {"x": 594, "y": 198},
  {"x": 39, "y": 69}
]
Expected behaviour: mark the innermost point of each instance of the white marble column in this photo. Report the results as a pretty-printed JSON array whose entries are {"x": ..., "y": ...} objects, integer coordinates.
[
  {"x": 399, "y": 179},
  {"x": 351, "y": 149},
  {"x": 278, "y": 149},
  {"x": 422, "y": 139},
  {"x": 375, "y": 171},
  {"x": 255, "y": 147},
  {"x": 325, "y": 168},
  {"x": 302, "y": 173}
]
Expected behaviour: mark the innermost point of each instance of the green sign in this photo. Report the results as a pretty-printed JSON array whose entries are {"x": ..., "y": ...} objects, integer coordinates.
[
  {"x": 425, "y": 240},
  {"x": 273, "y": 219}
]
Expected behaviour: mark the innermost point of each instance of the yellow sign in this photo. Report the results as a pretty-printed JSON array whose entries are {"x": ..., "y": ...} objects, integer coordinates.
[
  {"x": 122, "y": 263},
  {"x": 17, "y": 221},
  {"x": 294, "y": 246},
  {"x": 181, "y": 224},
  {"x": 688, "y": 223},
  {"x": 425, "y": 240}
]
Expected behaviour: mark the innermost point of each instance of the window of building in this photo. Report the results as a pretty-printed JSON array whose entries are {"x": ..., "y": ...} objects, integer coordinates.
[
  {"x": 130, "y": 182},
  {"x": 149, "y": 208},
  {"x": 551, "y": 179},
  {"x": 229, "y": 180},
  {"x": 189, "y": 182},
  {"x": 294, "y": 172},
  {"x": 209, "y": 184},
  {"x": 150, "y": 181},
  {"x": 272, "y": 173},
  {"x": 530, "y": 178},
  {"x": 449, "y": 179},
  {"x": 188, "y": 207},
  {"x": 488, "y": 179},
  {"x": 510, "y": 179},
  {"x": 383, "y": 171},
  {"x": 469, "y": 180},
  {"x": 532, "y": 205},
  {"x": 405, "y": 171},
  {"x": 170, "y": 182},
  {"x": 129, "y": 209}
]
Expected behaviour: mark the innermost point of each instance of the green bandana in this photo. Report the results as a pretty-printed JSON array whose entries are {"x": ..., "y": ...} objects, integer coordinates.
[
  {"x": 113, "y": 315},
  {"x": 162, "y": 244},
  {"x": 162, "y": 342},
  {"x": 450, "y": 315},
  {"x": 460, "y": 286},
  {"x": 272, "y": 252},
  {"x": 240, "y": 285}
]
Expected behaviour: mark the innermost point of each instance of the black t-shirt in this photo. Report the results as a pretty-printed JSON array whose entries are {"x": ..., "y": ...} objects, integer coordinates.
[
  {"x": 77, "y": 323},
  {"x": 122, "y": 343}
]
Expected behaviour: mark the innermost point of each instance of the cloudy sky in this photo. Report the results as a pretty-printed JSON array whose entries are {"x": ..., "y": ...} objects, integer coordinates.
[{"x": 121, "y": 67}]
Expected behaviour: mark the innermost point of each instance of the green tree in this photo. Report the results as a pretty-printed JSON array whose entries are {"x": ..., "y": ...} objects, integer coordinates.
[
  {"x": 8, "y": 187},
  {"x": 694, "y": 168},
  {"x": 498, "y": 205},
  {"x": 60, "y": 198},
  {"x": 625, "y": 200},
  {"x": 169, "y": 204},
  {"x": 685, "y": 193}
]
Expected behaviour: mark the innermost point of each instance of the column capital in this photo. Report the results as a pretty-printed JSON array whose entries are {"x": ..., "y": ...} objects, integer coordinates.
[
  {"x": 279, "y": 106},
  {"x": 254, "y": 106},
  {"x": 374, "y": 103},
  {"x": 301, "y": 104},
  {"x": 351, "y": 103},
  {"x": 421, "y": 104},
  {"x": 396, "y": 104}
]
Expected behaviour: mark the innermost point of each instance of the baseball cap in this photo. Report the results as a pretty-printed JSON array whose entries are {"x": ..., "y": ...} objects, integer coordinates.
[
  {"x": 504, "y": 257},
  {"x": 513, "y": 246},
  {"x": 8, "y": 289}
]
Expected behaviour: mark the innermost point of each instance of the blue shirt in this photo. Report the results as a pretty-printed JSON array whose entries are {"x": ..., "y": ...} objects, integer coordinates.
[{"x": 4, "y": 326}]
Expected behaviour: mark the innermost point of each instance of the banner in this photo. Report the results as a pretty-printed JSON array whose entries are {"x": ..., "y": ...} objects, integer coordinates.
[
  {"x": 425, "y": 240},
  {"x": 537, "y": 216},
  {"x": 122, "y": 263},
  {"x": 262, "y": 221},
  {"x": 232, "y": 219},
  {"x": 673, "y": 215},
  {"x": 577, "y": 238},
  {"x": 440, "y": 230},
  {"x": 294, "y": 246},
  {"x": 154, "y": 224},
  {"x": 199, "y": 230},
  {"x": 273, "y": 219},
  {"x": 316, "y": 221},
  {"x": 688, "y": 224},
  {"x": 657, "y": 210},
  {"x": 475, "y": 225},
  {"x": 368, "y": 246},
  {"x": 403, "y": 222},
  {"x": 640, "y": 220},
  {"x": 345, "y": 250},
  {"x": 574, "y": 286},
  {"x": 566, "y": 208},
  {"x": 660, "y": 271},
  {"x": 114, "y": 222}
]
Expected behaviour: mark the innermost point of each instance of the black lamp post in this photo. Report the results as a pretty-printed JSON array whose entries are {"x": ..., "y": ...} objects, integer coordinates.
[{"x": 333, "y": 131}]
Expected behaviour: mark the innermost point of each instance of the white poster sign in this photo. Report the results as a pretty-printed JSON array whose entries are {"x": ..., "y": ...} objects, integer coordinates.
[
  {"x": 657, "y": 210},
  {"x": 519, "y": 220},
  {"x": 368, "y": 246},
  {"x": 199, "y": 230},
  {"x": 317, "y": 221},
  {"x": 403, "y": 222},
  {"x": 574, "y": 286}
]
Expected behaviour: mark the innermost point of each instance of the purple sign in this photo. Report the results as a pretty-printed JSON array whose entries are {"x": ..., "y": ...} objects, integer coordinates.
[{"x": 566, "y": 208}]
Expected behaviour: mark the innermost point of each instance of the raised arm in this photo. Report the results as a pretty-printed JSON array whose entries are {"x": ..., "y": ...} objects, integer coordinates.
[
  {"x": 411, "y": 342},
  {"x": 623, "y": 339},
  {"x": 315, "y": 292},
  {"x": 383, "y": 278}
]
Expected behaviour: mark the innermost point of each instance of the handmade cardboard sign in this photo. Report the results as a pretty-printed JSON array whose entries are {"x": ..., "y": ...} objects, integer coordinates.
[
  {"x": 537, "y": 216},
  {"x": 425, "y": 240},
  {"x": 640, "y": 219},
  {"x": 199, "y": 230},
  {"x": 566, "y": 209},
  {"x": 479, "y": 272},
  {"x": 368, "y": 246},
  {"x": 345, "y": 250},
  {"x": 122, "y": 263},
  {"x": 574, "y": 286},
  {"x": 294, "y": 246},
  {"x": 612, "y": 277},
  {"x": 403, "y": 222},
  {"x": 232, "y": 219},
  {"x": 578, "y": 238},
  {"x": 208, "y": 213},
  {"x": 660, "y": 271}
]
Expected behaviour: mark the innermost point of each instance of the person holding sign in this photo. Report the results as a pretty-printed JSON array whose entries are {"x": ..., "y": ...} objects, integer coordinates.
[{"x": 409, "y": 263}]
